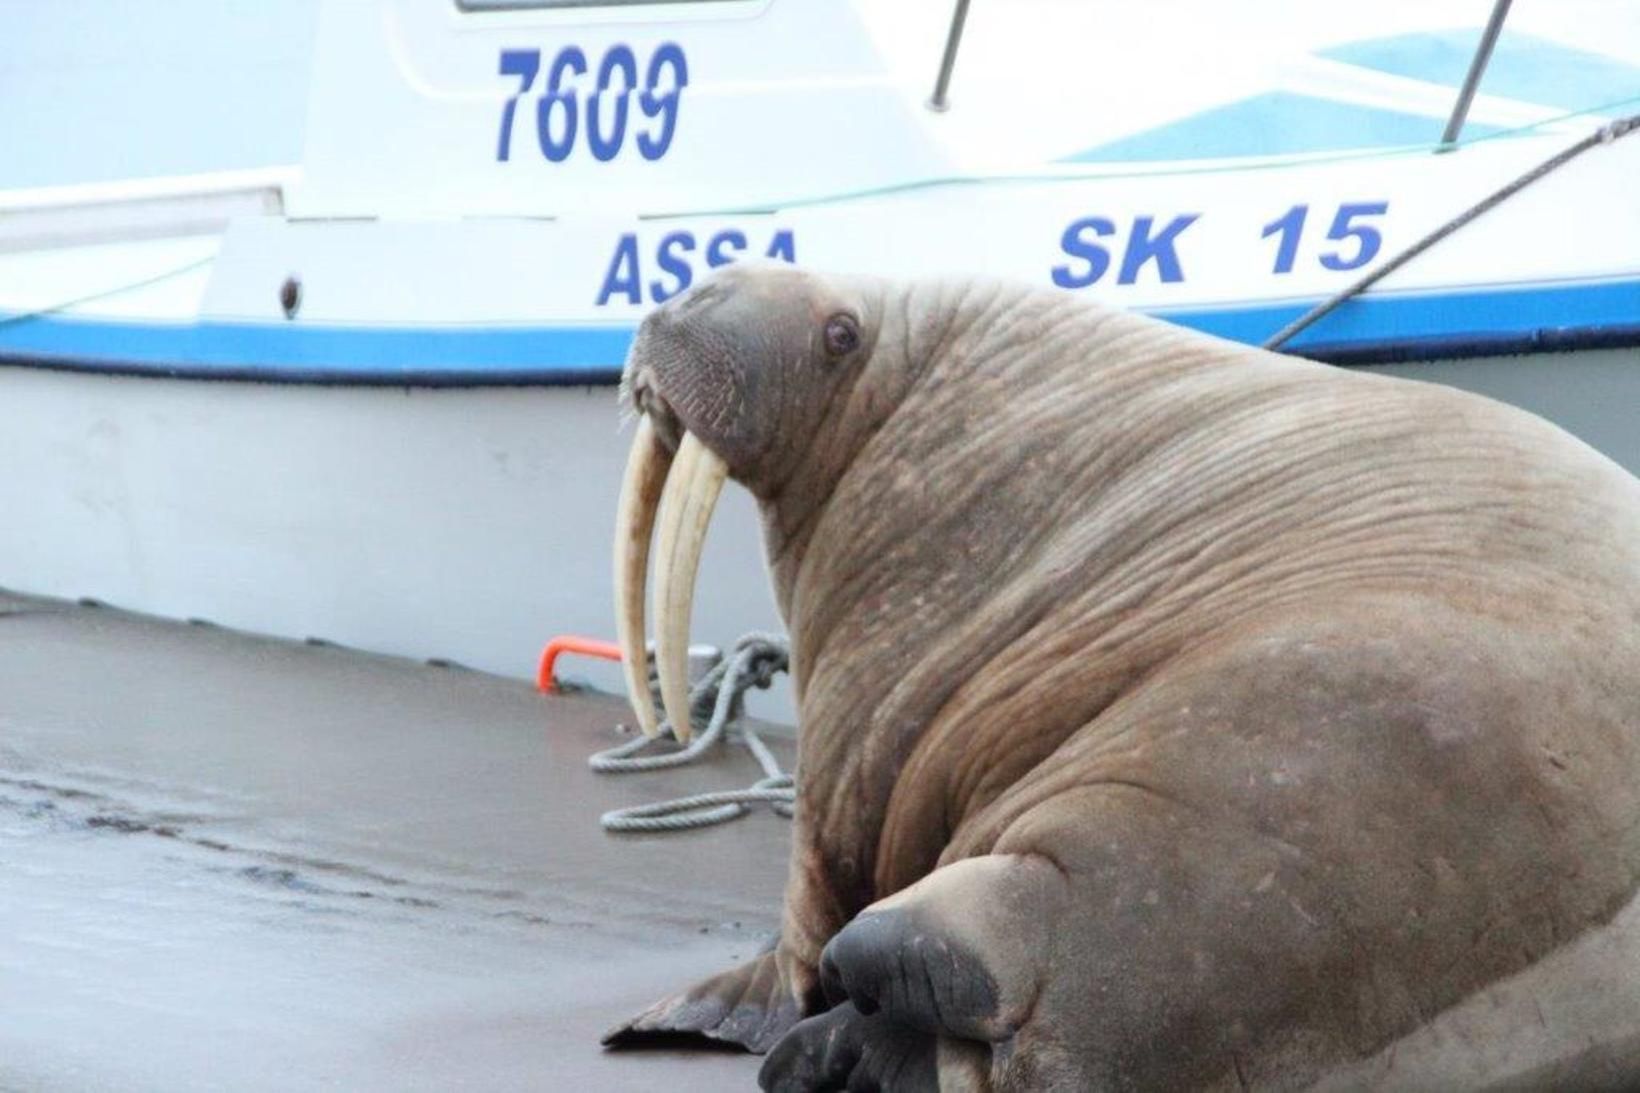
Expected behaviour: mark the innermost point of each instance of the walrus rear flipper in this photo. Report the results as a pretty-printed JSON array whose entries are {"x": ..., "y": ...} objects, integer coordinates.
[{"x": 746, "y": 1005}]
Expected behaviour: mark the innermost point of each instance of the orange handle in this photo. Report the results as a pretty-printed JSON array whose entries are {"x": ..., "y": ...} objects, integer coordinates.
[{"x": 569, "y": 643}]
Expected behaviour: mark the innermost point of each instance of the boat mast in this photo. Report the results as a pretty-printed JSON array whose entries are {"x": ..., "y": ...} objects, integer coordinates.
[
  {"x": 1477, "y": 66},
  {"x": 953, "y": 39}
]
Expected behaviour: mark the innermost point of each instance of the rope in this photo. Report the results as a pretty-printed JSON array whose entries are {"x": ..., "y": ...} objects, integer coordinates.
[
  {"x": 103, "y": 294},
  {"x": 1604, "y": 135},
  {"x": 714, "y": 703}
]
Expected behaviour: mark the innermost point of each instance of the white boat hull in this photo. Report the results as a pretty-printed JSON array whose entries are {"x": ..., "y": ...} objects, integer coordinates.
[
  {"x": 462, "y": 524},
  {"x": 470, "y": 525}
]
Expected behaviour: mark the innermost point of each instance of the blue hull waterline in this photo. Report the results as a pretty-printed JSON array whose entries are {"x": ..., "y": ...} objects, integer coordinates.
[{"x": 1414, "y": 326}]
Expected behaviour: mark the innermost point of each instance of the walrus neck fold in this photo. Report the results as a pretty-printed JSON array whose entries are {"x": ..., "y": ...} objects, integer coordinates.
[{"x": 683, "y": 490}]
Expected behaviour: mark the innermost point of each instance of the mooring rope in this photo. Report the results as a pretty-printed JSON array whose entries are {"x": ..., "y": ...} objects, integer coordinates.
[
  {"x": 1606, "y": 134},
  {"x": 715, "y": 708}
]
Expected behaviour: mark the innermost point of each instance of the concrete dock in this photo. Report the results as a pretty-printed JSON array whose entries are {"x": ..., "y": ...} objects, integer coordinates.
[{"x": 228, "y": 862}]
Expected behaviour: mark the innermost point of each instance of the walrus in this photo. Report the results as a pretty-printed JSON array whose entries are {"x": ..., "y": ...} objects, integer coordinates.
[{"x": 1173, "y": 714}]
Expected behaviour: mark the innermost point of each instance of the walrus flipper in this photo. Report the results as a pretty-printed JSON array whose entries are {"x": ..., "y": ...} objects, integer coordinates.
[
  {"x": 957, "y": 954},
  {"x": 747, "y": 1005},
  {"x": 843, "y": 1048}
]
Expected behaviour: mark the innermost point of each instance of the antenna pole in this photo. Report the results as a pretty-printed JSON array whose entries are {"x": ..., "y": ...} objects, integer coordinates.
[
  {"x": 1477, "y": 66},
  {"x": 953, "y": 39}
]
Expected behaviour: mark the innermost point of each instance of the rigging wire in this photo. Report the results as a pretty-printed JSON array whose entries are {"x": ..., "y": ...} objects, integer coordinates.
[
  {"x": 104, "y": 294},
  {"x": 1606, "y": 134}
]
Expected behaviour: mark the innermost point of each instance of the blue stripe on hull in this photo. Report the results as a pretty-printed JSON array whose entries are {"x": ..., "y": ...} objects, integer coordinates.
[
  {"x": 1384, "y": 327},
  {"x": 1275, "y": 123},
  {"x": 1522, "y": 66}
]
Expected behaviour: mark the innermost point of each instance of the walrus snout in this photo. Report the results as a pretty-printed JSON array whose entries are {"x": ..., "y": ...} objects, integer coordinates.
[
  {"x": 642, "y": 397},
  {"x": 683, "y": 370}
]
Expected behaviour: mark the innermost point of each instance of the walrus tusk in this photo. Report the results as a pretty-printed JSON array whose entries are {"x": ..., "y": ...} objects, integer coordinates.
[
  {"x": 692, "y": 490},
  {"x": 646, "y": 469}
]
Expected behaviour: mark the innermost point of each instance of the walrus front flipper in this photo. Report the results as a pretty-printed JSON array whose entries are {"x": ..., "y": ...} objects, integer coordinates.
[
  {"x": 747, "y": 1006},
  {"x": 958, "y": 954},
  {"x": 843, "y": 1048}
]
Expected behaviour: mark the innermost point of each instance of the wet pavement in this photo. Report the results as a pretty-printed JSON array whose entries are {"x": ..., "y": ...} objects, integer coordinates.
[{"x": 234, "y": 863}]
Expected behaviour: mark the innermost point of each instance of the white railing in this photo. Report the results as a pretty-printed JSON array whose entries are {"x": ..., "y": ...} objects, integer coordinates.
[{"x": 107, "y": 212}]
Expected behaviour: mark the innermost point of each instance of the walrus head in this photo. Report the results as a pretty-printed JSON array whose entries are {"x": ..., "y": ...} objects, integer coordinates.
[{"x": 739, "y": 377}]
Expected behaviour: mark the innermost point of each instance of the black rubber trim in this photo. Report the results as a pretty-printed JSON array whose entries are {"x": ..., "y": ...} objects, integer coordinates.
[{"x": 1547, "y": 340}]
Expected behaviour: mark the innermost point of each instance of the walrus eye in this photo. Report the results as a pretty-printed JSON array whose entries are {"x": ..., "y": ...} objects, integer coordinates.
[{"x": 842, "y": 335}]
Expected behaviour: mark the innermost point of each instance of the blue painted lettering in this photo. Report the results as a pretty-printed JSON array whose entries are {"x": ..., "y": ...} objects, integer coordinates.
[
  {"x": 727, "y": 238},
  {"x": 1142, "y": 248},
  {"x": 1075, "y": 242},
  {"x": 667, "y": 257},
  {"x": 559, "y": 110},
  {"x": 782, "y": 246},
  {"x": 1368, "y": 238},
  {"x": 622, "y": 276},
  {"x": 678, "y": 256}
]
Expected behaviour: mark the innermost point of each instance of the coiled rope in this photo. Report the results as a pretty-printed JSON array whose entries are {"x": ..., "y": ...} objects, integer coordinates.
[
  {"x": 715, "y": 708},
  {"x": 1606, "y": 134}
]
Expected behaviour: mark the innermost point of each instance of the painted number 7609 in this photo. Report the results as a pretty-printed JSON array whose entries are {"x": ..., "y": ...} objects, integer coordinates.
[{"x": 559, "y": 110}]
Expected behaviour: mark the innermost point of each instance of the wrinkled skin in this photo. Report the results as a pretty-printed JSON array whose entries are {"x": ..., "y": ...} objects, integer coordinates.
[{"x": 1174, "y": 715}]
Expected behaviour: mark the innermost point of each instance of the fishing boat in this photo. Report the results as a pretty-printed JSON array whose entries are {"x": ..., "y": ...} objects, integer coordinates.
[{"x": 310, "y": 320}]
